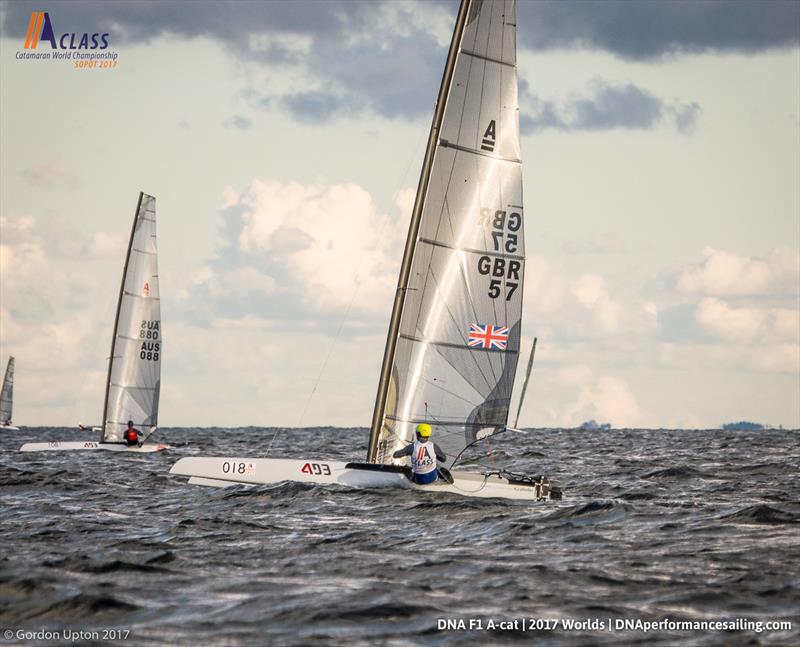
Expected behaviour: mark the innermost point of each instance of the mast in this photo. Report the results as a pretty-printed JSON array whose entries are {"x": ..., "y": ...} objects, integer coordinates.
[
  {"x": 413, "y": 230},
  {"x": 119, "y": 306},
  {"x": 525, "y": 383}
]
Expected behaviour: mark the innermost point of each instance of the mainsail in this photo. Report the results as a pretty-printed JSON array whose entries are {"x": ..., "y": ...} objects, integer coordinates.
[
  {"x": 7, "y": 394},
  {"x": 454, "y": 338},
  {"x": 134, "y": 371}
]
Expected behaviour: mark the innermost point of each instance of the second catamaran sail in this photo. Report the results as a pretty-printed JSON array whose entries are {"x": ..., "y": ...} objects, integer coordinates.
[
  {"x": 7, "y": 396},
  {"x": 134, "y": 372}
]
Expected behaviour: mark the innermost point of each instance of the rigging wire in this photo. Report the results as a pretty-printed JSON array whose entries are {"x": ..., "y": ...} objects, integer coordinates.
[{"x": 356, "y": 286}]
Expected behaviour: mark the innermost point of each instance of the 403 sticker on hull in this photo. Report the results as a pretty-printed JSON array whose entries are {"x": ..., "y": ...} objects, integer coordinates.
[{"x": 318, "y": 469}]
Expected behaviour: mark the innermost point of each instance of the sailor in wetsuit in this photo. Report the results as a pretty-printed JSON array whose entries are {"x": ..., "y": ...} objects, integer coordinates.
[
  {"x": 424, "y": 454},
  {"x": 131, "y": 435}
]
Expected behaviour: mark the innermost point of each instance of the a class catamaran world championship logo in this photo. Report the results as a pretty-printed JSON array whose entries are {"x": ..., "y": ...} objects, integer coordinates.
[{"x": 84, "y": 50}]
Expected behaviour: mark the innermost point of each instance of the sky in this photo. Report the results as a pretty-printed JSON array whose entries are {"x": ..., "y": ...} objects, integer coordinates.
[{"x": 283, "y": 142}]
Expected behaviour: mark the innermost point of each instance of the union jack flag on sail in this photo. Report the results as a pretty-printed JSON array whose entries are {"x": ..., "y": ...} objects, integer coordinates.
[{"x": 488, "y": 336}]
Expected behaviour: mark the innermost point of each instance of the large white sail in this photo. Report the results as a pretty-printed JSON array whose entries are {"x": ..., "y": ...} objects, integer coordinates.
[
  {"x": 134, "y": 373},
  {"x": 7, "y": 394},
  {"x": 455, "y": 351}
]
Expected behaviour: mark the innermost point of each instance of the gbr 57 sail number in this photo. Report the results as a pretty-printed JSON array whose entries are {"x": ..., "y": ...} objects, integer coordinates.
[{"x": 503, "y": 227}]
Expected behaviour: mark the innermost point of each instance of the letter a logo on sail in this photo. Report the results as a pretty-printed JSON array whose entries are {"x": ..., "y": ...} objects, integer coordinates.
[
  {"x": 489, "y": 138},
  {"x": 146, "y": 289},
  {"x": 39, "y": 27}
]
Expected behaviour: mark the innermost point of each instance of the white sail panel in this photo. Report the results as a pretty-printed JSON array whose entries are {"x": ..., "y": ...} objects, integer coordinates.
[
  {"x": 7, "y": 394},
  {"x": 456, "y": 353},
  {"x": 134, "y": 377}
]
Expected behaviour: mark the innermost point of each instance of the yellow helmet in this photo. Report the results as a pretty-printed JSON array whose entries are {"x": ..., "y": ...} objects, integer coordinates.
[{"x": 424, "y": 430}]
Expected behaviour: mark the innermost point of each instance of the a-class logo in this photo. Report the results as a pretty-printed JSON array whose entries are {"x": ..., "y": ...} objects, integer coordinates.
[{"x": 40, "y": 28}]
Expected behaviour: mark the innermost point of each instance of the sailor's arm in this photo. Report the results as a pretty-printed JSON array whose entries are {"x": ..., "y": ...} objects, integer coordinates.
[
  {"x": 440, "y": 455},
  {"x": 406, "y": 451}
]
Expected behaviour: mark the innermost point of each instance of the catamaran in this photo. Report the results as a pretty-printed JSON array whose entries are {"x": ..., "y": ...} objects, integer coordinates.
[
  {"x": 454, "y": 335},
  {"x": 7, "y": 398},
  {"x": 133, "y": 383}
]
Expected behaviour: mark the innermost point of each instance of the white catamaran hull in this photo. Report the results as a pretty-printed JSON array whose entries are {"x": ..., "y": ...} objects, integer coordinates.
[
  {"x": 89, "y": 445},
  {"x": 8, "y": 428},
  {"x": 222, "y": 472}
]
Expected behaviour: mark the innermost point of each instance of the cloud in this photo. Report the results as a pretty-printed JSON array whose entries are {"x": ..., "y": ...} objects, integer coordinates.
[
  {"x": 779, "y": 358},
  {"x": 605, "y": 398},
  {"x": 606, "y": 106},
  {"x": 388, "y": 56},
  {"x": 238, "y": 122},
  {"x": 729, "y": 323},
  {"x": 596, "y": 243},
  {"x": 299, "y": 252},
  {"x": 654, "y": 30},
  {"x": 748, "y": 323},
  {"x": 317, "y": 107},
  {"x": 240, "y": 282},
  {"x": 49, "y": 174},
  {"x": 592, "y": 293},
  {"x": 107, "y": 245},
  {"x": 725, "y": 273},
  {"x": 281, "y": 29},
  {"x": 47, "y": 267}
]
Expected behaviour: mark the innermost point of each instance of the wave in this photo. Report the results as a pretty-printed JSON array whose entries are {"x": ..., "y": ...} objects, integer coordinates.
[
  {"x": 82, "y": 607},
  {"x": 762, "y": 514},
  {"x": 678, "y": 472},
  {"x": 594, "y": 512}
]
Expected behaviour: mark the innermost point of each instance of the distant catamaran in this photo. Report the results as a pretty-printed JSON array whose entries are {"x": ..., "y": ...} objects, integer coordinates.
[
  {"x": 134, "y": 370},
  {"x": 454, "y": 335},
  {"x": 7, "y": 398}
]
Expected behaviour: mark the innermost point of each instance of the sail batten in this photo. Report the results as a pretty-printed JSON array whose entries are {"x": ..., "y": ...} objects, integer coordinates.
[
  {"x": 486, "y": 58},
  {"x": 438, "y": 243},
  {"x": 452, "y": 356},
  {"x": 134, "y": 375},
  {"x": 466, "y": 149}
]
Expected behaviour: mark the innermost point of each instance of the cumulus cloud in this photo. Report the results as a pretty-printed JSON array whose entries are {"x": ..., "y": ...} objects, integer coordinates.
[
  {"x": 592, "y": 293},
  {"x": 748, "y": 323},
  {"x": 604, "y": 398},
  {"x": 725, "y": 273},
  {"x": 311, "y": 245},
  {"x": 730, "y": 323}
]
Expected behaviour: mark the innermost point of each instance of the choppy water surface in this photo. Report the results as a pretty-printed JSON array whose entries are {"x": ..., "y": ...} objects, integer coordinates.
[{"x": 698, "y": 525}]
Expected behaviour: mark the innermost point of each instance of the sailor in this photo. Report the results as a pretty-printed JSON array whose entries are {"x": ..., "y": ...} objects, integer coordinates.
[
  {"x": 131, "y": 435},
  {"x": 424, "y": 454}
]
